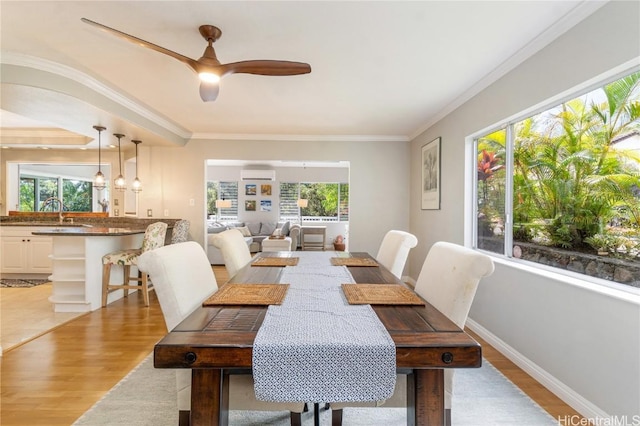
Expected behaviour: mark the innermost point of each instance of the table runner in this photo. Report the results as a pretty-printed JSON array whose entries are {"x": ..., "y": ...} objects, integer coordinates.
[{"x": 315, "y": 347}]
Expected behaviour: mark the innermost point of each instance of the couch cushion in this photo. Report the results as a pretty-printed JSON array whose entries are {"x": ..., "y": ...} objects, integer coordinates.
[
  {"x": 267, "y": 228},
  {"x": 245, "y": 231},
  {"x": 285, "y": 228},
  {"x": 215, "y": 227},
  {"x": 254, "y": 227}
]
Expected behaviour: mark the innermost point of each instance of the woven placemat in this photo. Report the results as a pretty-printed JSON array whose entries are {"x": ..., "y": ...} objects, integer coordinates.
[
  {"x": 353, "y": 261},
  {"x": 275, "y": 261},
  {"x": 380, "y": 294},
  {"x": 248, "y": 294}
]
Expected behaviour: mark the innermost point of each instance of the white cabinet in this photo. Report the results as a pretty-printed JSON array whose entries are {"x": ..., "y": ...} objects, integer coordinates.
[{"x": 24, "y": 253}]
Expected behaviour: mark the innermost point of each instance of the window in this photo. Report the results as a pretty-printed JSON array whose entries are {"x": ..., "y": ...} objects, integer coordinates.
[
  {"x": 327, "y": 202},
  {"x": 289, "y": 194},
  {"x": 222, "y": 191},
  {"x": 34, "y": 191},
  {"x": 569, "y": 177}
]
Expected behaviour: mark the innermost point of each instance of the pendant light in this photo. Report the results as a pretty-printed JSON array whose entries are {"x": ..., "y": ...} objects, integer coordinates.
[
  {"x": 98, "y": 181},
  {"x": 119, "y": 183},
  {"x": 136, "y": 186}
]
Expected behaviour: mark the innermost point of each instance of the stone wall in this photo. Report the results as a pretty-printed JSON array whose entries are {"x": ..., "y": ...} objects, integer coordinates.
[{"x": 606, "y": 267}]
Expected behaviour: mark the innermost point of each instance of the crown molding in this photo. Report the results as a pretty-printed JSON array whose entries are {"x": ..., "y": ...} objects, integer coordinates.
[
  {"x": 299, "y": 138},
  {"x": 562, "y": 25},
  {"x": 22, "y": 60}
]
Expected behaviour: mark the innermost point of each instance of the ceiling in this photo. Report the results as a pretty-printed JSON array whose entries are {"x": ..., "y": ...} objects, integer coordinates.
[{"x": 380, "y": 70}]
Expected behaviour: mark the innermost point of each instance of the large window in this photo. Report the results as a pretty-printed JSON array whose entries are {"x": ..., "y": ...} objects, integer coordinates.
[
  {"x": 35, "y": 190},
  {"x": 326, "y": 202},
  {"x": 562, "y": 187},
  {"x": 222, "y": 191}
]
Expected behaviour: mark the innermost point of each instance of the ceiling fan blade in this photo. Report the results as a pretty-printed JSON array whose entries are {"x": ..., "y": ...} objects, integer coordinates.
[
  {"x": 209, "y": 91},
  {"x": 191, "y": 62},
  {"x": 266, "y": 67}
]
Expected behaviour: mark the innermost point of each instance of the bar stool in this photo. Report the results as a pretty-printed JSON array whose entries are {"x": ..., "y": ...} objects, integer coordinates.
[
  {"x": 154, "y": 237},
  {"x": 180, "y": 231}
]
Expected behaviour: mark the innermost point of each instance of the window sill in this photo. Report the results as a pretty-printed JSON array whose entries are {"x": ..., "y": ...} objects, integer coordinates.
[{"x": 607, "y": 288}]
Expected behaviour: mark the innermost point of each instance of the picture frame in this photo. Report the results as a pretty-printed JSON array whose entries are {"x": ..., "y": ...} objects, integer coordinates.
[
  {"x": 265, "y": 205},
  {"x": 250, "y": 205},
  {"x": 265, "y": 190},
  {"x": 250, "y": 189},
  {"x": 431, "y": 183}
]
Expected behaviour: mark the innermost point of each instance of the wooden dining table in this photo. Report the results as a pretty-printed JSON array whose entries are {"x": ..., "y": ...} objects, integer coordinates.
[{"x": 215, "y": 341}]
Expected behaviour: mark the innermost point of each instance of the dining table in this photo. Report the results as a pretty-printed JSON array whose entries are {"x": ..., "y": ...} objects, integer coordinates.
[{"x": 218, "y": 339}]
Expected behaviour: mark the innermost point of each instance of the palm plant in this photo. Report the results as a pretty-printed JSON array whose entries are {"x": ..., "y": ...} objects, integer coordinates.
[{"x": 566, "y": 172}]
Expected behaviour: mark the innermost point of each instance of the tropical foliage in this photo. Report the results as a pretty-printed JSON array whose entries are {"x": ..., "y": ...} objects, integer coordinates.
[{"x": 572, "y": 186}]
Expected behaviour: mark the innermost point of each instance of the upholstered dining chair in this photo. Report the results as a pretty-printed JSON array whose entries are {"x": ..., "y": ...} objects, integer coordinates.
[
  {"x": 394, "y": 250},
  {"x": 180, "y": 231},
  {"x": 153, "y": 238},
  {"x": 448, "y": 280},
  {"x": 183, "y": 279},
  {"x": 234, "y": 249}
]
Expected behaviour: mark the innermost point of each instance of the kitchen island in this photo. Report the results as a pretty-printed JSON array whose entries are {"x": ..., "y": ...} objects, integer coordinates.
[{"x": 77, "y": 263}]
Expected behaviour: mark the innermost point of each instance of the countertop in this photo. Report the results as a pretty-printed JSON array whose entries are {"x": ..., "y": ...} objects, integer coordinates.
[{"x": 83, "y": 231}]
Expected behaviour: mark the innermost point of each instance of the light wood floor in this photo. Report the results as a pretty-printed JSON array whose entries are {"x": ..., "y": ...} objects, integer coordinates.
[
  {"x": 26, "y": 313},
  {"x": 55, "y": 378}
]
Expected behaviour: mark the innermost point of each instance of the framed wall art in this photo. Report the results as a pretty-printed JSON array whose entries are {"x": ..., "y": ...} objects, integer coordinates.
[
  {"x": 265, "y": 205},
  {"x": 250, "y": 205},
  {"x": 431, "y": 184},
  {"x": 265, "y": 190},
  {"x": 250, "y": 189}
]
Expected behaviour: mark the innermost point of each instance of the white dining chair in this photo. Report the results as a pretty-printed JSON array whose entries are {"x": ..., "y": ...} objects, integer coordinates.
[
  {"x": 448, "y": 280},
  {"x": 394, "y": 250},
  {"x": 183, "y": 279},
  {"x": 234, "y": 249}
]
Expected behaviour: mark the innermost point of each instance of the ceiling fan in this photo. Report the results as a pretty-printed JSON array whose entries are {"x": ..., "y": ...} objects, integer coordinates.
[{"x": 208, "y": 67}]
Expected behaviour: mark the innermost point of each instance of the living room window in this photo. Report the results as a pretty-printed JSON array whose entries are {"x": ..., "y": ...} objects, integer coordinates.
[
  {"x": 326, "y": 202},
  {"x": 220, "y": 190},
  {"x": 562, "y": 187}
]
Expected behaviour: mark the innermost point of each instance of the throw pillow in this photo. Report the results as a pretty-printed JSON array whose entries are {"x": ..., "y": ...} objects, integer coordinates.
[
  {"x": 285, "y": 229},
  {"x": 268, "y": 228},
  {"x": 244, "y": 231},
  {"x": 254, "y": 228}
]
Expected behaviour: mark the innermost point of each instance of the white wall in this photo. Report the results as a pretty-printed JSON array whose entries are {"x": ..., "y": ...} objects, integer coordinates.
[
  {"x": 584, "y": 344},
  {"x": 378, "y": 183}
]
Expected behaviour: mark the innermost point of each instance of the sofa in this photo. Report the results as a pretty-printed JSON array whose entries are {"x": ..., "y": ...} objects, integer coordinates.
[{"x": 254, "y": 233}]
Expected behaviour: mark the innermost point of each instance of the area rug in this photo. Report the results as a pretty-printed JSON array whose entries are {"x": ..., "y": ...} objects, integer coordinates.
[
  {"x": 19, "y": 283},
  {"x": 482, "y": 397}
]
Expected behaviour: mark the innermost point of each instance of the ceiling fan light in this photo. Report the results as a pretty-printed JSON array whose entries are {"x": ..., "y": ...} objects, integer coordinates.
[{"x": 209, "y": 77}]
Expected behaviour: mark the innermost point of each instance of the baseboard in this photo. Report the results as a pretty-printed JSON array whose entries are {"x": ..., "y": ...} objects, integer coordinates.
[{"x": 562, "y": 391}]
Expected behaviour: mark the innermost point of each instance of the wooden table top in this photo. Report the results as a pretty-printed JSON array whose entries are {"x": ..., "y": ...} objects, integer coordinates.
[{"x": 222, "y": 336}]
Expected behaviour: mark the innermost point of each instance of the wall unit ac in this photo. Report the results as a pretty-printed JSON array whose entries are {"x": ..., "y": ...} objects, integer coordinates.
[{"x": 257, "y": 174}]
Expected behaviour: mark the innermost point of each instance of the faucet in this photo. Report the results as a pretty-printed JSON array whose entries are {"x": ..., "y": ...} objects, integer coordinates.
[{"x": 50, "y": 200}]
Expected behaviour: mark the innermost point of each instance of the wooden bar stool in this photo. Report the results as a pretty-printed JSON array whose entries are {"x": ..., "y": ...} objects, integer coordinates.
[{"x": 153, "y": 238}]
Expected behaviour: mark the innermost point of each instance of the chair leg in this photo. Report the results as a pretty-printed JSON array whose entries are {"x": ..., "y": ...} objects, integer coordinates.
[
  {"x": 336, "y": 418},
  {"x": 126, "y": 278},
  {"x": 106, "y": 277},
  {"x": 296, "y": 419},
  {"x": 184, "y": 418},
  {"x": 145, "y": 289}
]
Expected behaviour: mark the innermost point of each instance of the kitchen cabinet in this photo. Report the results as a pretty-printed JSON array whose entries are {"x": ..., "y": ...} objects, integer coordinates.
[{"x": 24, "y": 253}]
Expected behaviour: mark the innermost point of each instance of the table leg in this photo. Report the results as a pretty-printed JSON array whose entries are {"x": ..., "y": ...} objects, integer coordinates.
[
  {"x": 425, "y": 397},
  {"x": 209, "y": 397}
]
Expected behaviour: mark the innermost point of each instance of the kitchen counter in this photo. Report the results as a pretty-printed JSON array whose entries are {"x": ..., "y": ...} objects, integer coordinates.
[{"x": 84, "y": 231}]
